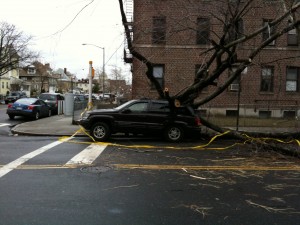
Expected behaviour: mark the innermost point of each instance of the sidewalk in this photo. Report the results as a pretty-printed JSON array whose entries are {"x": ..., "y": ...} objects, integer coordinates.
[{"x": 61, "y": 125}]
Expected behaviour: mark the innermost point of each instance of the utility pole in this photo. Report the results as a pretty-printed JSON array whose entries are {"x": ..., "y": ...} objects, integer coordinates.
[
  {"x": 103, "y": 64},
  {"x": 90, "y": 84}
]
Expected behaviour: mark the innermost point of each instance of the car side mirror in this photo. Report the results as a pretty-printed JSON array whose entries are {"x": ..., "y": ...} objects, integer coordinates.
[{"x": 126, "y": 111}]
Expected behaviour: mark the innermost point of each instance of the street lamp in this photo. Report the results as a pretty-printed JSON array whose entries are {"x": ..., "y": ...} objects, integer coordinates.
[{"x": 103, "y": 63}]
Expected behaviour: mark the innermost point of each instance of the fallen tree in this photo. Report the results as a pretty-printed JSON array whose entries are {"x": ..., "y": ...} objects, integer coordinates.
[{"x": 224, "y": 55}]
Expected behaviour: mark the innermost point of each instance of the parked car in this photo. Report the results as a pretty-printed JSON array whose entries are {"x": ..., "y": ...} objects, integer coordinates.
[
  {"x": 80, "y": 98},
  {"x": 28, "y": 107},
  {"x": 93, "y": 97},
  {"x": 14, "y": 96},
  {"x": 52, "y": 99},
  {"x": 142, "y": 117}
]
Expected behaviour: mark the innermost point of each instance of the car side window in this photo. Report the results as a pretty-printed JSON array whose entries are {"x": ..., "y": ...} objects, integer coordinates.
[
  {"x": 159, "y": 107},
  {"x": 138, "y": 107}
]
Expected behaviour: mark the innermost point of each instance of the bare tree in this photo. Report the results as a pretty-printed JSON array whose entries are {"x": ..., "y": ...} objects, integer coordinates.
[{"x": 13, "y": 48}]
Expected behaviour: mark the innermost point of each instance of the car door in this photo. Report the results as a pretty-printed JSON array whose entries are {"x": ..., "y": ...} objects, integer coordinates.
[
  {"x": 132, "y": 119},
  {"x": 157, "y": 116},
  {"x": 44, "y": 108}
]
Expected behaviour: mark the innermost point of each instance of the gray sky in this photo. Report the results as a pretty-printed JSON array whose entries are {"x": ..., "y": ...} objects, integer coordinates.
[{"x": 59, "y": 39}]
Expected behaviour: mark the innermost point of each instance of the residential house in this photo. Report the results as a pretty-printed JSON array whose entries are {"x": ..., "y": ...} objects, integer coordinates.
[
  {"x": 173, "y": 34},
  {"x": 83, "y": 86},
  {"x": 66, "y": 81},
  {"x": 4, "y": 84},
  {"x": 10, "y": 82},
  {"x": 37, "y": 78}
]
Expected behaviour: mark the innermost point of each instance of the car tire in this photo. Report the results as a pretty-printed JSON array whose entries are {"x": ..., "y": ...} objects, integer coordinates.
[
  {"x": 174, "y": 133},
  {"x": 100, "y": 131},
  {"x": 36, "y": 115},
  {"x": 11, "y": 117}
]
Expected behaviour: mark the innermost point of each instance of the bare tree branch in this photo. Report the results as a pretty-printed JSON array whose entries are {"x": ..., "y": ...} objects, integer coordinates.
[{"x": 13, "y": 48}]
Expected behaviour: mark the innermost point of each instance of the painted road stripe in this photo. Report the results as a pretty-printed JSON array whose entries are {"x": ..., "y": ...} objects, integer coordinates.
[
  {"x": 14, "y": 164},
  {"x": 187, "y": 167},
  {"x": 88, "y": 155},
  {"x": 4, "y": 124}
]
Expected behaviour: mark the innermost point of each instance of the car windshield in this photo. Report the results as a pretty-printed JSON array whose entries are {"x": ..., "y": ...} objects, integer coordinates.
[
  {"x": 47, "y": 97},
  {"x": 124, "y": 105},
  {"x": 14, "y": 94},
  {"x": 26, "y": 101}
]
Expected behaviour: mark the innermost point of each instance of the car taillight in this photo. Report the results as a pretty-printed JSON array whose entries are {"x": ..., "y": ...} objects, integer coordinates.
[
  {"x": 197, "y": 121},
  {"x": 56, "y": 104},
  {"x": 30, "y": 107},
  {"x": 9, "y": 105}
]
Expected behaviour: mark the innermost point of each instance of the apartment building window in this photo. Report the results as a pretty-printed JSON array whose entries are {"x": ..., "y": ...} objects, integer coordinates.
[
  {"x": 267, "y": 79},
  {"x": 235, "y": 85},
  {"x": 158, "y": 73},
  {"x": 6, "y": 84},
  {"x": 31, "y": 70},
  {"x": 269, "y": 31},
  {"x": 292, "y": 38},
  {"x": 2, "y": 84},
  {"x": 236, "y": 31},
  {"x": 203, "y": 27},
  {"x": 292, "y": 79},
  {"x": 159, "y": 30},
  {"x": 264, "y": 114}
]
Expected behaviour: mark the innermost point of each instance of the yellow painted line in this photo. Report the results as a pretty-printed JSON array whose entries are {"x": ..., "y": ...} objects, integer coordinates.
[
  {"x": 188, "y": 167},
  {"x": 164, "y": 167}
]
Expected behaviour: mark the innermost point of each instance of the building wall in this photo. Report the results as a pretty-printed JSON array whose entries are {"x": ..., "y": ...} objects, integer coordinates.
[
  {"x": 180, "y": 54},
  {"x": 4, "y": 85},
  {"x": 7, "y": 80}
]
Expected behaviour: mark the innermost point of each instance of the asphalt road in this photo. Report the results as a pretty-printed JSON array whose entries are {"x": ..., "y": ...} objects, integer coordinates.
[{"x": 46, "y": 180}]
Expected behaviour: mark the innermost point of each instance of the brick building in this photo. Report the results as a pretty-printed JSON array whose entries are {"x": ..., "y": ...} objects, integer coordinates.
[{"x": 173, "y": 34}]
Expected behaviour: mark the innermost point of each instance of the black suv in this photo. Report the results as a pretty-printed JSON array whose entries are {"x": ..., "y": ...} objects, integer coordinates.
[
  {"x": 142, "y": 117},
  {"x": 14, "y": 96}
]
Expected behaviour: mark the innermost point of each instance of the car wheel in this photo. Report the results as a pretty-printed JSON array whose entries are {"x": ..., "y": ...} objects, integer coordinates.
[
  {"x": 36, "y": 115},
  {"x": 174, "y": 133},
  {"x": 100, "y": 131},
  {"x": 11, "y": 117}
]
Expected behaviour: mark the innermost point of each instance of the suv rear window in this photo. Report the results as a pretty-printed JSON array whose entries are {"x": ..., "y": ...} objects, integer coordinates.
[
  {"x": 50, "y": 97},
  {"x": 47, "y": 97}
]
